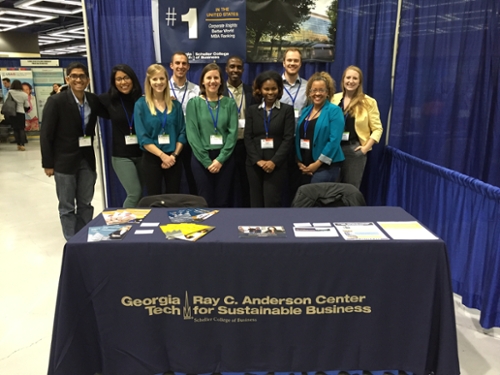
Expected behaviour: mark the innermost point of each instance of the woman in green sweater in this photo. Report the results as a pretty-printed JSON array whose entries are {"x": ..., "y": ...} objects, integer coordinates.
[{"x": 212, "y": 131}]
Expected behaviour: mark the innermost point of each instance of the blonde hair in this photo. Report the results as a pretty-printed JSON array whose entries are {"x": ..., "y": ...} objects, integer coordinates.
[
  {"x": 325, "y": 77},
  {"x": 358, "y": 99},
  {"x": 148, "y": 90}
]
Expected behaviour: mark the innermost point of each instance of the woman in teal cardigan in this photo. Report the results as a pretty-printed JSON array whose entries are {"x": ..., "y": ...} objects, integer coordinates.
[
  {"x": 212, "y": 131},
  {"x": 319, "y": 133},
  {"x": 161, "y": 133}
]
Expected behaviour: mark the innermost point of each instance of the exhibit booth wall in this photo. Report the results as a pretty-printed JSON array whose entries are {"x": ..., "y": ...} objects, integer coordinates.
[{"x": 436, "y": 83}]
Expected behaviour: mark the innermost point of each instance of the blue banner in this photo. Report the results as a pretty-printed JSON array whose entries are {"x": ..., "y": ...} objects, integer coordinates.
[{"x": 206, "y": 31}]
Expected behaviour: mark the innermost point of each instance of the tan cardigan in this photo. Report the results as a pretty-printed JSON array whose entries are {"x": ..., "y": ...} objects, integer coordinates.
[{"x": 367, "y": 125}]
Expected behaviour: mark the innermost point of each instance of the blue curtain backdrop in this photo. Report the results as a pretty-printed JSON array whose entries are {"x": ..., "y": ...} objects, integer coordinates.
[
  {"x": 121, "y": 32},
  {"x": 465, "y": 213},
  {"x": 446, "y": 103}
]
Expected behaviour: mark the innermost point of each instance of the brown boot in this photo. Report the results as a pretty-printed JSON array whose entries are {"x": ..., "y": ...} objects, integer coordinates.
[{"x": 21, "y": 148}]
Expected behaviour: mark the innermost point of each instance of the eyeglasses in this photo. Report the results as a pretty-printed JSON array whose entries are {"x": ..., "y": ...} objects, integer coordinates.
[
  {"x": 124, "y": 79},
  {"x": 81, "y": 77},
  {"x": 318, "y": 91}
]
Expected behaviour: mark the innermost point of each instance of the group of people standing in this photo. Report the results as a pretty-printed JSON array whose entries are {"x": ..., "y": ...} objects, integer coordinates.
[{"x": 282, "y": 131}]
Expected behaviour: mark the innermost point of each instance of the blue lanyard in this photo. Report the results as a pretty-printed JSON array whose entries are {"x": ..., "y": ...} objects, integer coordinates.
[
  {"x": 164, "y": 120},
  {"x": 216, "y": 119},
  {"x": 267, "y": 121},
  {"x": 306, "y": 122},
  {"x": 129, "y": 120},
  {"x": 241, "y": 102},
  {"x": 185, "y": 91},
  {"x": 82, "y": 115},
  {"x": 296, "y": 93}
]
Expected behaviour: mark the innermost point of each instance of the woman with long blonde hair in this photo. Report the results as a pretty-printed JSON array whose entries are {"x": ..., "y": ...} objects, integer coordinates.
[
  {"x": 161, "y": 132},
  {"x": 363, "y": 127}
]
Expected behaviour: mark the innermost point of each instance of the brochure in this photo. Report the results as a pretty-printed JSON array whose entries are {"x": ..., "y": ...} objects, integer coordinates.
[
  {"x": 107, "y": 232},
  {"x": 185, "y": 231},
  {"x": 406, "y": 230},
  {"x": 360, "y": 231},
  {"x": 190, "y": 215},
  {"x": 125, "y": 216},
  {"x": 261, "y": 231},
  {"x": 314, "y": 230}
]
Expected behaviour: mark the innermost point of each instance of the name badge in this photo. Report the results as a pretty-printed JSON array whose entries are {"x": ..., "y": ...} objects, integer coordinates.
[
  {"x": 85, "y": 141},
  {"x": 297, "y": 112},
  {"x": 164, "y": 139},
  {"x": 131, "y": 140},
  {"x": 267, "y": 143},
  {"x": 241, "y": 123},
  {"x": 305, "y": 144},
  {"x": 345, "y": 136},
  {"x": 216, "y": 140}
]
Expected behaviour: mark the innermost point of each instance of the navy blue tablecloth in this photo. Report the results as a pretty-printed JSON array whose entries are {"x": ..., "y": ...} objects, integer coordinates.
[{"x": 144, "y": 304}]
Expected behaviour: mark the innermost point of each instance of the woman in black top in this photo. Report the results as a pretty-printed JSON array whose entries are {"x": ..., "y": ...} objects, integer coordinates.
[
  {"x": 269, "y": 128},
  {"x": 119, "y": 102}
]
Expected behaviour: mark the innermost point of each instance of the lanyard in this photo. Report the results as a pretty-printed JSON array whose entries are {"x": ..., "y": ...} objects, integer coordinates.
[
  {"x": 296, "y": 93},
  {"x": 82, "y": 115},
  {"x": 241, "y": 102},
  {"x": 267, "y": 121},
  {"x": 185, "y": 91},
  {"x": 164, "y": 120},
  {"x": 129, "y": 120},
  {"x": 216, "y": 119},
  {"x": 306, "y": 122}
]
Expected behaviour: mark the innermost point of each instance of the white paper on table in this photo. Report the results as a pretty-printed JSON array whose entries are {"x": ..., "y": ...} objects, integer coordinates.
[
  {"x": 144, "y": 231},
  {"x": 301, "y": 225},
  {"x": 406, "y": 230},
  {"x": 322, "y": 224},
  {"x": 360, "y": 231},
  {"x": 316, "y": 230},
  {"x": 149, "y": 224}
]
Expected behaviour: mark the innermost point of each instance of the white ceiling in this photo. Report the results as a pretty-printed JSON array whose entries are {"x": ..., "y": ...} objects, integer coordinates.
[{"x": 58, "y": 23}]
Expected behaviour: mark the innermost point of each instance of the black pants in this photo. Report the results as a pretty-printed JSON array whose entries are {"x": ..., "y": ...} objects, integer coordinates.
[
  {"x": 214, "y": 187},
  {"x": 155, "y": 176},
  {"x": 266, "y": 189},
  {"x": 18, "y": 123}
]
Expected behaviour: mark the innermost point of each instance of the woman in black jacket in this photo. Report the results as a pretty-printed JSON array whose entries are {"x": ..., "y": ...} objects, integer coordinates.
[{"x": 269, "y": 129}]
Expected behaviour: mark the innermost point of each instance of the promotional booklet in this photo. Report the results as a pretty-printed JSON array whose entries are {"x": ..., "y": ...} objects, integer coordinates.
[
  {"x": 185, "y": 231},
  {"x": 261, "y": 231},
  {"x": 190, "y": 215},
  {"x": 107, "y": 232},
  {"x": 314, "y": 230},
  {"x": 125, "y": 216},
  {"x": 360, "y": 231}
]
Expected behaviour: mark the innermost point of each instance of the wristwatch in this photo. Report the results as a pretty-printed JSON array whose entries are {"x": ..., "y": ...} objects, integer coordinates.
[{"x": 174, "y": 155}]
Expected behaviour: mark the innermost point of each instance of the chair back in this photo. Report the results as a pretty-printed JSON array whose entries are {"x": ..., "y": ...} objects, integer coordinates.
[{"x": 328, "y": 194}]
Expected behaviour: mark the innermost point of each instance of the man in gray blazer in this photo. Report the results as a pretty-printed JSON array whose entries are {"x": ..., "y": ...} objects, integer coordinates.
[{"x": 66, "y": 140}]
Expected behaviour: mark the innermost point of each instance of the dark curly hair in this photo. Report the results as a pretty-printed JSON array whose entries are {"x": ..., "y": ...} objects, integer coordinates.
[{"x": 263, "y": 77}]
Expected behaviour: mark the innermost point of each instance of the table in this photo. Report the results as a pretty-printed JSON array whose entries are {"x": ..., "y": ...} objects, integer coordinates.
[{"x": 145, "y": 305}]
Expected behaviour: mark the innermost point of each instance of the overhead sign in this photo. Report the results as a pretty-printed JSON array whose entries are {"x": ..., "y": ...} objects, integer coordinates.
[
  {"x": 39, "y": 62},
  {"x": 207, "y": 31}
]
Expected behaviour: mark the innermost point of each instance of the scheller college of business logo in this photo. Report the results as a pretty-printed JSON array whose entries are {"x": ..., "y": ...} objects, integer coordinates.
[{"x": 205, "y": 309}]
